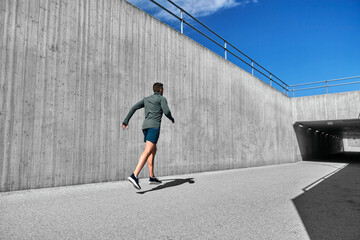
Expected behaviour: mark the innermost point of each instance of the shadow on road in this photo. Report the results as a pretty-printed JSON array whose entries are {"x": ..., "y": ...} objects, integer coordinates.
[
  {"x": 331, "y": 209},
  {"x": 170, "y": 183}
]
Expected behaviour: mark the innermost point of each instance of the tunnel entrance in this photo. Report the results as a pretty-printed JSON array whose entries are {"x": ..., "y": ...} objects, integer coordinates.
[{"x": 321, "y": 139}]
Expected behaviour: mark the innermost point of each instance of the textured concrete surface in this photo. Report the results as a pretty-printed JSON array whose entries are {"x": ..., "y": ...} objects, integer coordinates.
[
  {"x": 252, "y": 203},
  {"x": 327, "y": 107},
  {"x": 71, "y": 70}
]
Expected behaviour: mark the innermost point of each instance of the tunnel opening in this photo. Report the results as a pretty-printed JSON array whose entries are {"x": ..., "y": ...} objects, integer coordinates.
[
  {"x": 351, "y": 145},
  {"x": 319, "y": 140}
]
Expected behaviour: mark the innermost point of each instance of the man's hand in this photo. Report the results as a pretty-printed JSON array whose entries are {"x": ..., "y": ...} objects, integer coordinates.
[{"x": 123, "y": 126}]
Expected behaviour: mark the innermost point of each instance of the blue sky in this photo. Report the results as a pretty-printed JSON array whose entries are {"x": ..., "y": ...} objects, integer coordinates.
[{"x": 297, "y": 40}]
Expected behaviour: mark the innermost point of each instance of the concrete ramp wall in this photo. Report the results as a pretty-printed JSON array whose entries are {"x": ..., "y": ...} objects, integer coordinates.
[{"x": 71, "y": 70}]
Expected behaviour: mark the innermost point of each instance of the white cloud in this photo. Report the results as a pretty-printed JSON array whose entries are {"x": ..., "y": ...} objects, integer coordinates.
[
  {"x": 205, "y": 7},
  {"x": 197, "y": 8},
  {"x": 144, "y": 4}
]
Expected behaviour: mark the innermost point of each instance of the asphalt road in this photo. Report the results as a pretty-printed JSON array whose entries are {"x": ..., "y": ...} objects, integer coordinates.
[{"x": 253, "y": 203}]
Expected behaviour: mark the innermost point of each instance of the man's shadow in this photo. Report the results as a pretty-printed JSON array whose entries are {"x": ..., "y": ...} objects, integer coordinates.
[{"x": 170, "y": 183}]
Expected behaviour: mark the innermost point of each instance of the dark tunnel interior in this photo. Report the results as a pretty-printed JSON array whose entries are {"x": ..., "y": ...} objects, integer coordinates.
[{"x": 322, "y": 139}]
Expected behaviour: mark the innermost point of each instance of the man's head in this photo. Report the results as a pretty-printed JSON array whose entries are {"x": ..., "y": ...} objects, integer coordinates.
[{"x": 158, "y": 87}]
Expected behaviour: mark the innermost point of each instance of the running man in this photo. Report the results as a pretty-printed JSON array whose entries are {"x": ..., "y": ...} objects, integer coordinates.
[{"x": 155, "y": 105}]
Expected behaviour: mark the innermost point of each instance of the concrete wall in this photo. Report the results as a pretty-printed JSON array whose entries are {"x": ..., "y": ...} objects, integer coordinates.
[
  {"x": 322, "y": 107},
  {"x": 327, "y": 107},
  {"x": 71, "y": 70}
]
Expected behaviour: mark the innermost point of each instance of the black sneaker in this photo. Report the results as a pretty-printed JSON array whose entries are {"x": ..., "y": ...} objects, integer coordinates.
[
  {"x": 135, "y": 181},
  {"x": 154, "y": 180}
]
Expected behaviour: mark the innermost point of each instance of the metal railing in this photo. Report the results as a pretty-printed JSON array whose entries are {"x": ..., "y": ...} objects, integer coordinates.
[
  {"x": 225, "y": 46},
  {"x": 323, "y": 84}
]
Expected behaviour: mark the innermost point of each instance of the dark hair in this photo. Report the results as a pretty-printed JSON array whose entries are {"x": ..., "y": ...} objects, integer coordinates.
[{"x": 157, "y": 86}]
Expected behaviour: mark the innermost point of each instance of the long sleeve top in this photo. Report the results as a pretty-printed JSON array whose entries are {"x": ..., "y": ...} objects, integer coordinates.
[{"x": 155, "y": 105}]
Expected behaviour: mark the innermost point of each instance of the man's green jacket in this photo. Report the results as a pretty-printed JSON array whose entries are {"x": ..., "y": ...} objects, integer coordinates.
[{"x": 155, "y": 105}]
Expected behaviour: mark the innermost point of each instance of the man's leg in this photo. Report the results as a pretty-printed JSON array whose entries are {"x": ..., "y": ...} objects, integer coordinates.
[
  {"x": 149, "y": 146},
  {"x": 150, "y": 161}
]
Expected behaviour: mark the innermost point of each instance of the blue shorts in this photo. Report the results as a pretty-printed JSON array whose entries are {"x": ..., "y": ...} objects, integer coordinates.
[{"x": 151, "y": 134}]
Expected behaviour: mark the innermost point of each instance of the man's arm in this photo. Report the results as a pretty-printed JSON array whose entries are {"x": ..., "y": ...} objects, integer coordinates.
[
  {"x": 166, "y": 110},
  {"x": 137, "y": 106}
]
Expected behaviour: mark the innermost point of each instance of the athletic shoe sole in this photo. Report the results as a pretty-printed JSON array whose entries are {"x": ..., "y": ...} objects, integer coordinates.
[
  {"x": 154, "y": 183},
  {"x": 134, "y": 183}
]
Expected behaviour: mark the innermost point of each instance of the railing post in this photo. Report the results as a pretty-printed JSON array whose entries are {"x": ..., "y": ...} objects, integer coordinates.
[
  {"x": 326, "y": 87},
  {"x": 182, "y": 21},
  {"x": 233, "y": 48},
  {"x": 293, "y": 91}
]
